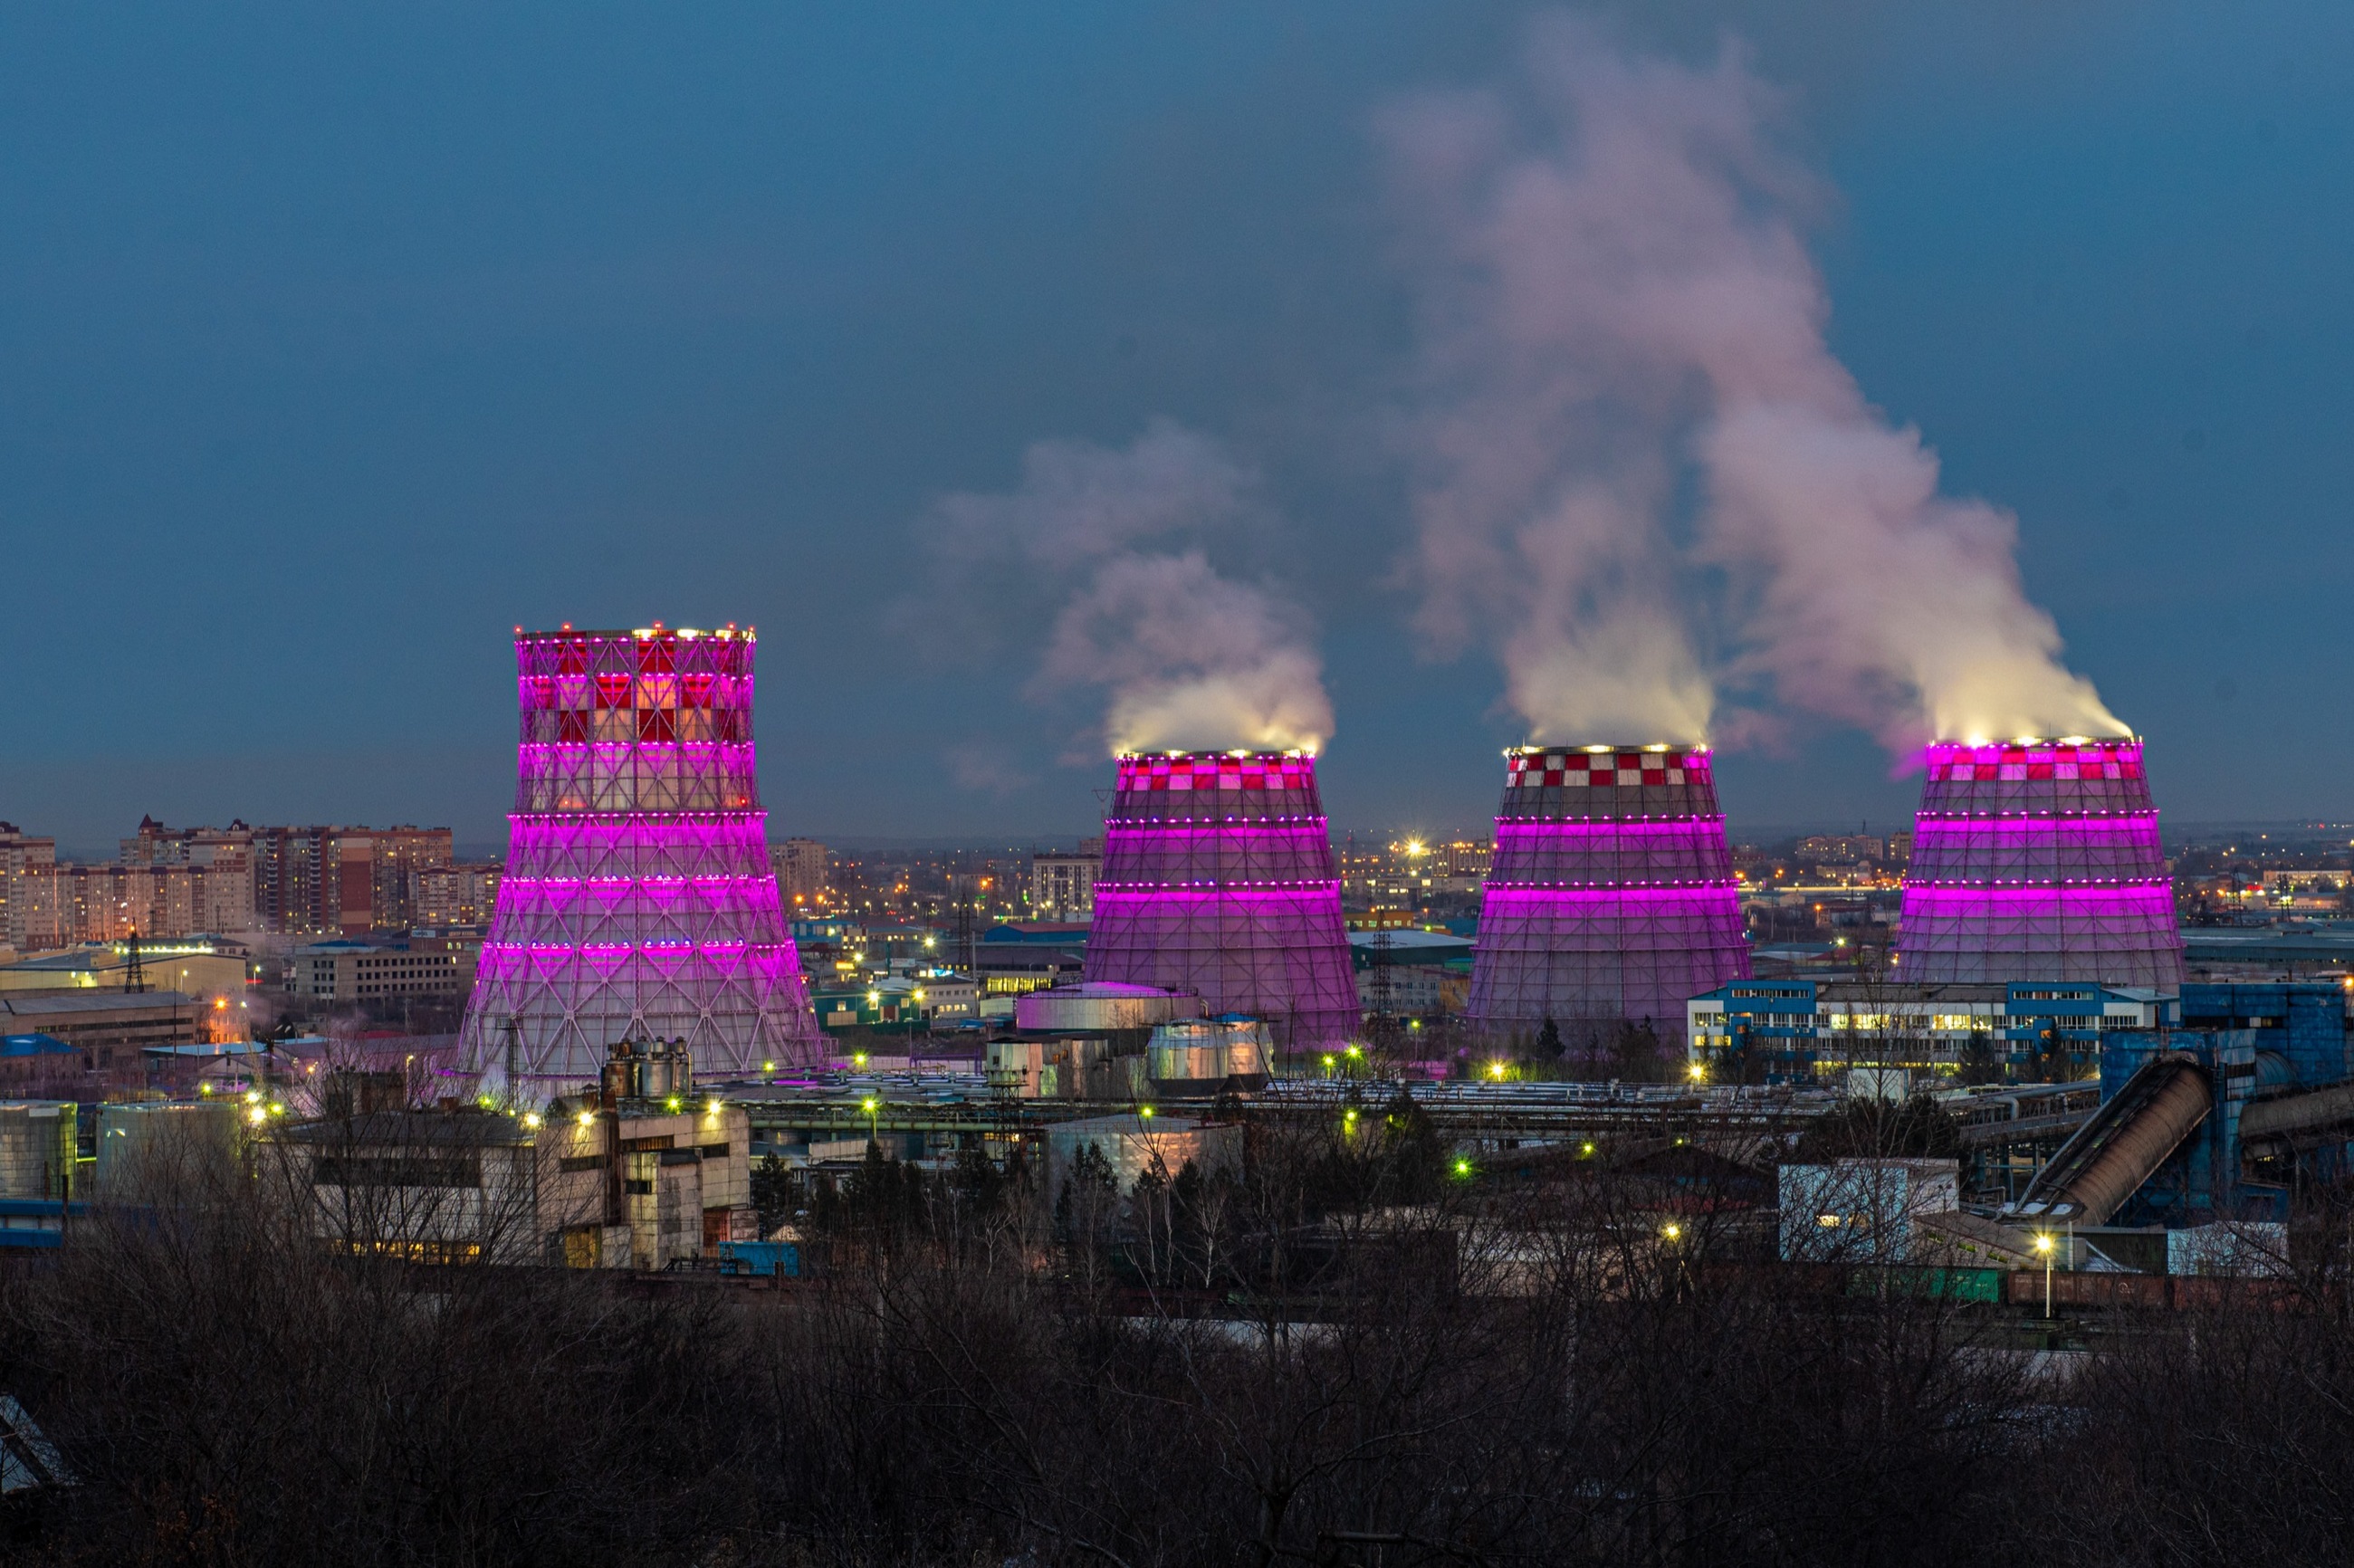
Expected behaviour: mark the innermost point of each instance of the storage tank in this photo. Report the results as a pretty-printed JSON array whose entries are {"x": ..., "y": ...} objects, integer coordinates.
[{"x": 1101, "y": 1007}]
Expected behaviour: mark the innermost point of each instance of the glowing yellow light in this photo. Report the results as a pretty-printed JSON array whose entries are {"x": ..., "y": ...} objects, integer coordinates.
[
  {"x": 1585, "y": 1149},
  {"x": 671, "y": 1103},
  {"x": 2044, "y": 1243},
  {"x": 1699, "y": 1071},
  {"x": 531, "y": 1119},
  {"x": 1144, "y": 1111},
  {"x": 1463, "y": 1167},
  {"x": 868, "y": 1106},
  {"x": 1671, "y": 1231},
  {"x": 207, "y": 1089},
  {"x": 257, "y": 1115},
  {"x": 711, "y": 1107},
  {"x": 768, "y": 1066},
  {"x": 1495, "y": 1069},
  {"x": 588, "y": 1118}
]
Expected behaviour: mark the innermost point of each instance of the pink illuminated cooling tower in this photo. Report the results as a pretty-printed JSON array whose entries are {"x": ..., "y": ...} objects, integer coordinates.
[
  {"x": 638, "y": 900},
  {"x": 1610, "y": 897},
  {"x": 1218, "y": 878},
  {"x": 2037, "y": 861}
]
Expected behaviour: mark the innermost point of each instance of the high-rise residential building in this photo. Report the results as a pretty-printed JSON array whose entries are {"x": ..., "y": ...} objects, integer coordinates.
[
  {"x": 462, "y": 893},
  {"x": 208, "y": 883},
  {"x": 343, "y": 880},
  {"x": 804, "y": 876},
  {"x": 397, "y": 855},
  {"x": 27, "y": 898},
  {"x": 1063, "y": 886}
]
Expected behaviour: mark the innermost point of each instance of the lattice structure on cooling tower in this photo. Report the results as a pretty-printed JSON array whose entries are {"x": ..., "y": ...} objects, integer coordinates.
[
  {"x": 2037, "y": 861},
  {"x": 1218, "y": 878},
  {"x": 638, "y": 900},
  {"x": 1610, "y": 897}
]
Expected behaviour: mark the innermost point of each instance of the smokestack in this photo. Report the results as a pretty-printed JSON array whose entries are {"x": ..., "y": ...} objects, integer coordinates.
[
  {"x": 637, "y": 901},
  {"x": 1218, "y": 878},
  {"x": 1611, "y": 895},
  {"x": 2037, "y": 861}
]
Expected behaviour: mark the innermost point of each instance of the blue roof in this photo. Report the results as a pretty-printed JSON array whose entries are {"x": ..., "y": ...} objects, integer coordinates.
[{"x": 34, "y": 1045}]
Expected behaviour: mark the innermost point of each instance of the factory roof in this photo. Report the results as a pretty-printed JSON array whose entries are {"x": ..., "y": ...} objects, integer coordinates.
[
  {"x": 1045, "y": 933},
  {"x": 466, "y": 1129},
  {"x": 1422, "y": 944},
  {"x": 52, "y": 1004},
  {"x": 2268, "y": 945}
]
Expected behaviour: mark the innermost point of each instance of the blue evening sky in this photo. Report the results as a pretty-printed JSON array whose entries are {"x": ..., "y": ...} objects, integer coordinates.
[{"x": 337, "y": 339}]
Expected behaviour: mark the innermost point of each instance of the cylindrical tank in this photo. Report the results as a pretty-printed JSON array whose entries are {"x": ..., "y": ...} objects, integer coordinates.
[
  {"x": 1218, "y": 878},
  {"x": 2037, "y": 861},
  {"x": 1100, "y": 1007},
  {"x": 1204, "y": 1053},
  {"x": 1610, "y": 897}
]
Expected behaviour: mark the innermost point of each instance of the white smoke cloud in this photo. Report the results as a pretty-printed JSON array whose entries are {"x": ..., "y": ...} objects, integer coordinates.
[
  {"x": 1116, "y": 541},
  {"x": 1616, "y": 302}
]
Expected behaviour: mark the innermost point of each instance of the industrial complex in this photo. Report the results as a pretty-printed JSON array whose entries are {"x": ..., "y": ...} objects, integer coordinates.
[{"x": 1609, "y": 981}]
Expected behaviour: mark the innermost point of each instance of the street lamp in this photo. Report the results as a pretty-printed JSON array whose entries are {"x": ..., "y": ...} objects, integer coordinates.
[
  {"x": 874, "y": 1109},
  {"x": 2044, "y": 1245}
]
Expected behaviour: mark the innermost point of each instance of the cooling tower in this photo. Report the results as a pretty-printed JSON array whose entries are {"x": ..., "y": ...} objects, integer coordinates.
[
  {"x": 1610, "y": 896},
  {"x": 2037, "y": 861},
  {"x": 638, "y": 901},
  {"x": 1218, "y": 878}
]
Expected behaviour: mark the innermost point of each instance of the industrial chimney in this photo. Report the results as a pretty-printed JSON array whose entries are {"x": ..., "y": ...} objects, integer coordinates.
[
  {"x": 2037, "y": 861},
  {"x": 1218, "y": 878},
  {"x": 1611, "y": 896},
  {"x": 638, "y": 901}
]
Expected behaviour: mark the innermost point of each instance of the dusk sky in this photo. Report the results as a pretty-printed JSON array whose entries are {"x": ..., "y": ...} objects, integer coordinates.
[{"x": 337, "y": 342}]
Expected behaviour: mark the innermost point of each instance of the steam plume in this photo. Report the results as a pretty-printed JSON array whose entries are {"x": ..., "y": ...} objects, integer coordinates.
[
  {"x": 1615, "y": 297},
  {"x": 1118, "y": 539}
]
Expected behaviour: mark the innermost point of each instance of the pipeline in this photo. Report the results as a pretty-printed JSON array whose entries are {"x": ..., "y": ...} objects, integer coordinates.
[{"x": 2129, "y": 1137}]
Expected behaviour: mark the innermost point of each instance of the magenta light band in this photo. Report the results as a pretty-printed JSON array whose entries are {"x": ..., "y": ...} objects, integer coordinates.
[
  {"x": 2123, "y": 892},
  {"x": 1706, "y": 828},
  {"x": 1632, "y": 894},
  {"x": 2042, "y": 751}
]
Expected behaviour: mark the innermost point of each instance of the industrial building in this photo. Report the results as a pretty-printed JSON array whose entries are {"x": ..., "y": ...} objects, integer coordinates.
[
  {"x": 1218, "y": 879},
  {"x": 377, "y": 972},
  {"x": 109, "y": 1028},
  {"x": 641, "y": 1172},
  {"x": 2222, "y": 1115},
  {"x": 638, "y": 899},
  {"x": 1611, "y": 896},
  {"x": 2038, "y": 861},
  {"x": 1793, "y": 1030}
]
